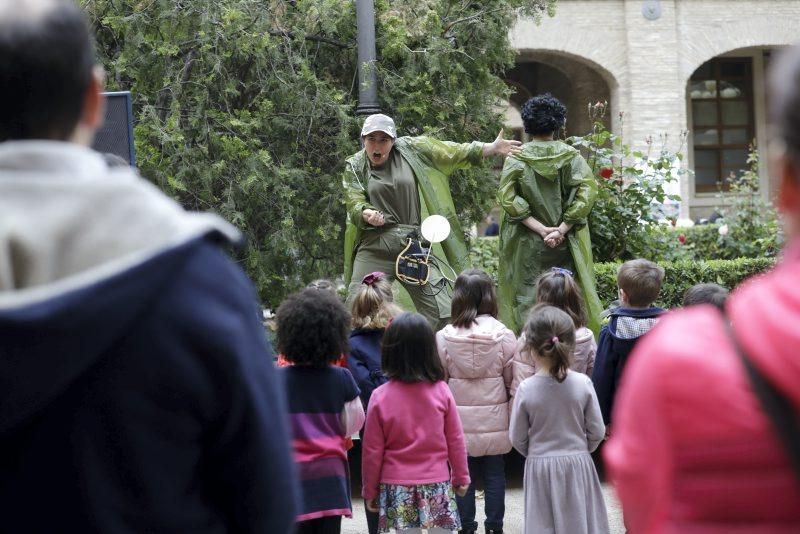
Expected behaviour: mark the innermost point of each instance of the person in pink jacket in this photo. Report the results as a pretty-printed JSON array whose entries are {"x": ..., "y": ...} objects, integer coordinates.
[
  {"x": 692, "y": 451},
  {"x": 414, "y": 459},
  {"x": 558, "y": 288},
  {"x": 476, "y": 351}
]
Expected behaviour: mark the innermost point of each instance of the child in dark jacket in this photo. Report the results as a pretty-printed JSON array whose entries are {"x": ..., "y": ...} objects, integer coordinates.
[
  {"x": 373, "y": 309},
  {"x": 639, "y": 284}
]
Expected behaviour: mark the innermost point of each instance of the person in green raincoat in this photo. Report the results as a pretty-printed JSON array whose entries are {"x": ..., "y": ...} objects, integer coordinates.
[
  {"x": 390, "y": 187},
  {"x": 546, "y": 193}
]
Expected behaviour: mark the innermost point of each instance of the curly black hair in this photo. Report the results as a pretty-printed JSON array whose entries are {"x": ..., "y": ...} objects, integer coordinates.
[
  {"x": 543, "y": 114},
  {"x": 313, "y": 328}
]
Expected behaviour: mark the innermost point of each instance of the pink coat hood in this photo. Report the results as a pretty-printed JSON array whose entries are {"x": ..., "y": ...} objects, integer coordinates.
[{"x": 478, "y": 368}]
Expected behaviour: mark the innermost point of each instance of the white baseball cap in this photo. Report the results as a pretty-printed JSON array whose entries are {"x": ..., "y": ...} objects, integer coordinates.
[{"x": 379, "y": 123}]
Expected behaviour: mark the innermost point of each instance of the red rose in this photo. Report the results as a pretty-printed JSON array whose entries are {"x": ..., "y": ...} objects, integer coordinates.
[
  {"x": 682, "y": 239},
  {"x": 606, "y": 172}
]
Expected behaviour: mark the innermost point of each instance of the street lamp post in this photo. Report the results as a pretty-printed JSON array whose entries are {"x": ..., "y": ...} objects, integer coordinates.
[{"x": 367, "y": 81}]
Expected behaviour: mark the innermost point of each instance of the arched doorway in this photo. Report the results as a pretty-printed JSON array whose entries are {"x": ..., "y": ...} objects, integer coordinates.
[{"x": 573, "y": 82}]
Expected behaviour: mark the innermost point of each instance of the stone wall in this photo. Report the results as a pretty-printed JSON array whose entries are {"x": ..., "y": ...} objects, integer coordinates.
[{"x": 647, "y": 63}]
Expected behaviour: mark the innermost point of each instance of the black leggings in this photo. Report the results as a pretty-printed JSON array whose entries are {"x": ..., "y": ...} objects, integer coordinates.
[{"x": 322, "y": 525}]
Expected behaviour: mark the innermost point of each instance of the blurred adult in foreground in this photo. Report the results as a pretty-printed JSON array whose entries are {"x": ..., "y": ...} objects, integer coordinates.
[
  {"x": 136, "y": 387},
  {"x": 693, "y": 450}
]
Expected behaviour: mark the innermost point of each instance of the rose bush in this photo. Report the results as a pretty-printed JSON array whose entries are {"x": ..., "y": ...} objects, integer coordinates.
[{"x": 631, "y": 186}]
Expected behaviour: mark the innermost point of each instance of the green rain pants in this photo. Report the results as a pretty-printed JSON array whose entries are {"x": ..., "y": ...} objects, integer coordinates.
[{"x": 378, "y": 251}]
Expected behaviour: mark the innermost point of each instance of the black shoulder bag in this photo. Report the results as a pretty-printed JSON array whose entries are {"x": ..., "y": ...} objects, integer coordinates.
[{"x": 774, "y": 404}]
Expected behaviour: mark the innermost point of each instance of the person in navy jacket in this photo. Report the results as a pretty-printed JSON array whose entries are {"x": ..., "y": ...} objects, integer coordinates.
[
  {"x": 639, "y": 284},
  {"x": 136, "y": 388}
]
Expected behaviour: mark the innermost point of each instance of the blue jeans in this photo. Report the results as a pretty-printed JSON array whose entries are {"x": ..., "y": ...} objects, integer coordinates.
[{"x": 492, "y": 470}]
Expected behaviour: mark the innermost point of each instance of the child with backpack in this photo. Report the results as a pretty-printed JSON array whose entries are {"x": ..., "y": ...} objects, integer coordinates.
[
  {"x": 414, "y": 458},
  {"x": 476, "y": 351},
  {"x": 556, "y": 424}
]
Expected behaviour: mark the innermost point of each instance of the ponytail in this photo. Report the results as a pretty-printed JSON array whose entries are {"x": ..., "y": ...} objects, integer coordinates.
[
  {"x": 373, "y": 306},
  {"x": 558, "y": 353},
  {"x": 550, "y": 332}
]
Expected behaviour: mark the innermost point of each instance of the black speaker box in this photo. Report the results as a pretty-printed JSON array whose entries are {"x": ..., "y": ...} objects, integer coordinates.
[{"x": 116, "y": 135}]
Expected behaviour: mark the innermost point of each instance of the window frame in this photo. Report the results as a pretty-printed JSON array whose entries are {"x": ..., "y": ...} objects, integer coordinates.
[{"x": 746, "y": 83}]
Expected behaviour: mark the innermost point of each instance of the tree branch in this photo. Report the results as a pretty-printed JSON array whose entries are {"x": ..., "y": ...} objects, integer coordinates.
[
  {"x": 471, "y": 17},
  {"x": 315, "y": 38}
]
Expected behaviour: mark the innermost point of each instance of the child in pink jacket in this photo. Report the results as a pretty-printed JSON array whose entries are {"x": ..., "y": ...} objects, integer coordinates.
[
  {"x": 558, "y": 288},
  {"x": 476, "y": 351},
  {"x": 413, "y": 456}
]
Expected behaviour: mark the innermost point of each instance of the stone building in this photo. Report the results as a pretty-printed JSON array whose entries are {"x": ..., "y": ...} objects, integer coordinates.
[{"x": 670, "y": 66}]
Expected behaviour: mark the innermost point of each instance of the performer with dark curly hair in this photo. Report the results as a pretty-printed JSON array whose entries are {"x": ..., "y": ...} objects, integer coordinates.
[{"x": 546, "y": 193}]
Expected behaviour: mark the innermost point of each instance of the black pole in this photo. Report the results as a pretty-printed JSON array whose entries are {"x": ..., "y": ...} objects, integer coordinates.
[{"x": 367, "y": 81}]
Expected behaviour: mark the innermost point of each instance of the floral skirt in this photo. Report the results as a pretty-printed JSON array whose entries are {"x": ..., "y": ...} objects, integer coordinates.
[{"x": 421, "y": 506}]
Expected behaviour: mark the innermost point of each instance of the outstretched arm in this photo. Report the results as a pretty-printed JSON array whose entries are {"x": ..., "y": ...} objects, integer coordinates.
[
  {"x": 449, "y": 157},
  {"x": 502, "y": 147}
]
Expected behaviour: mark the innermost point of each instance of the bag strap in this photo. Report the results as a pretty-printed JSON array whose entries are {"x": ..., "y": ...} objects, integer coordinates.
[{"x": 775, "y": 404}]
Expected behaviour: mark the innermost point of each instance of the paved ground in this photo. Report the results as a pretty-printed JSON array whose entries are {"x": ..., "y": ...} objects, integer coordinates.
[{"x": 514, "y": 501}]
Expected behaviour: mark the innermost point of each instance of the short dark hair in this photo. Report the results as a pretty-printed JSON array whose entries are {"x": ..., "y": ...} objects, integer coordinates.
[
  {"x": 641, "y": 281},
  {"x": 46, "y": 62},
  {"x": 473, "y": 295},
  {"x": 713, "y": 294},
  {"x": 313, "y": 328},
  {"x": 543, "y": 114},
  {"x": 408, "y": 351}
]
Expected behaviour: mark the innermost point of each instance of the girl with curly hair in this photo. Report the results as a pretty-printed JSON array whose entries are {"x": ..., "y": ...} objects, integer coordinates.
[
  {"x": 546, "y": 193},
  {"x": 324, "y": 405}
]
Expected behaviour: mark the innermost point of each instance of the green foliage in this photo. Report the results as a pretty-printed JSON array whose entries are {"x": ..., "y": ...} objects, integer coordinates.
[
  {"x": 705, "y": 241},
  {"x": 631, "y": 185},
  {"x": 750, "y": 226},
  {"x": 246, "y": 107},
  {"x": 680, "y": 275}
]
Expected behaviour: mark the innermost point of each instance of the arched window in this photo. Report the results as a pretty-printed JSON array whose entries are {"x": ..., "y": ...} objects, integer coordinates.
[{"x": 722, "y": 120}]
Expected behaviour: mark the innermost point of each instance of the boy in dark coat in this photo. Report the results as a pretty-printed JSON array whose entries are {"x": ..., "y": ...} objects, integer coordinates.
[{"x": 639, "y": 284}]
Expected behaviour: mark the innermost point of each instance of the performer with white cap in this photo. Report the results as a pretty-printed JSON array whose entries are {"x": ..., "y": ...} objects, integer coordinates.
[{"x": 394, "y": 183}]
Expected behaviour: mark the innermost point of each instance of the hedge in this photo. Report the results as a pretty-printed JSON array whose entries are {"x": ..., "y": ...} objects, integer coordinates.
[{"x": 680, "y": 275}]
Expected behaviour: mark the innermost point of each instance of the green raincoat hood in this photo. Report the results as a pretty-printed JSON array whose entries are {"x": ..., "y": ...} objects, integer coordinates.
[{"x": 547, "y": 158}]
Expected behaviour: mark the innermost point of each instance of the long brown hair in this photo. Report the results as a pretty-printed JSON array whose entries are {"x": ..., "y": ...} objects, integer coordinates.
[
  {"x": 550, "y": 334},
  {"x": 473, "y": 295},
  {"x": 557, "y": 288},
  {"x": 373, "y": 306}
]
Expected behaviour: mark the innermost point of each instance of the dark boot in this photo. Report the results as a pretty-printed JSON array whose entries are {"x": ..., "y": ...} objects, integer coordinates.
[
  {"x": 494, "y": 531},
  {"x": 467, "y": 531}
]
